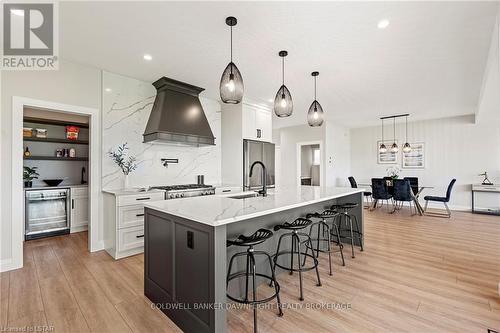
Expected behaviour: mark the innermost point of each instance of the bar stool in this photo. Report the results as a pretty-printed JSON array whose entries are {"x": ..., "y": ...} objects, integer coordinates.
[
  {"x": 324, "y": 236},
  {"x": 258, "y": 237},
  {"x": 294, "y": 227},
  {"x": 343, "y": 210}
]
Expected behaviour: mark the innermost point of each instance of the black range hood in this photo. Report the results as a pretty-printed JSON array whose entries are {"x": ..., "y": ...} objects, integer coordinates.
[{"x": 177, "y": 115}]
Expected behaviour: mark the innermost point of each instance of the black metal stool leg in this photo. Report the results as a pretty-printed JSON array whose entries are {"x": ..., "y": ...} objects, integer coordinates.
[
  {"x": 341, "y": 246},
  {"x": 254, "y": 285},
  {"x": 358, "y": 232},
  {"x": 316, "y": 268},
  {"x": 296, "y": 238},
  {"x": 276, "y": 288},
  {"x": 328, "y": 247},
  {"x": 291, "y": 255},
  {"x": 352, "y": 234},
  {"x": 276, "y": 256}
]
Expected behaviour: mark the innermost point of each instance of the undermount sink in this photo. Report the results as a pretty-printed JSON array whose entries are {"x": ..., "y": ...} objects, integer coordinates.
[{"x": 244, "y": 196}]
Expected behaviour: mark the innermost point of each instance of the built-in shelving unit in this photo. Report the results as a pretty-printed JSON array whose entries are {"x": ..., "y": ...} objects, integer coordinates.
[
  {"x": 74, "y": 142},
  {"x": 53, "y": 158},
  {"x": 53, "y": 122}
]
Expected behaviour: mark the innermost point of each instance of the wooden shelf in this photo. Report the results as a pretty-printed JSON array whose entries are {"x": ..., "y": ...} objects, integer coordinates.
[
  {"x": 53, "y": 122},
  {"x": 53, "y": 158},
  {"x": 75, "y": 142}
]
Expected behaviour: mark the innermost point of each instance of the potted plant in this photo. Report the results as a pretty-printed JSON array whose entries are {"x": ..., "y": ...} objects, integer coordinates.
[
  {"x": 126, "y": 164},
  {"x": 393, "y": 172},
  {"x": 28, "y": 175}
]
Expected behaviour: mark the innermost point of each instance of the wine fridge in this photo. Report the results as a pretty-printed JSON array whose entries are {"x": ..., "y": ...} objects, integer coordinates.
[{"x": 46, "y": 213}]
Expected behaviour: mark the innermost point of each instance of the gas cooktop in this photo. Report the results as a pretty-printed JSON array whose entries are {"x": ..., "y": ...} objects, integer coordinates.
[
  {"x": 184, "y": 191},
  {"x": 181, "y": 187}
]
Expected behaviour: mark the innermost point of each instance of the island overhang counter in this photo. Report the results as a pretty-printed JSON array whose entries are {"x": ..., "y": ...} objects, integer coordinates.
[{"x": 185, "y": 249}]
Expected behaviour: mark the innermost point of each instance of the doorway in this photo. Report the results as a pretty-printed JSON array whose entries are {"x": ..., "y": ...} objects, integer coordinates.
[
  {"x": 309, "y": 171},
  {"x": 19, "y": 105}
]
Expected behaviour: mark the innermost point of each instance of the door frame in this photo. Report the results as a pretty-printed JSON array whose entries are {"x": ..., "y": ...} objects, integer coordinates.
[
  {"x": 18, "y": 105},
  {"x": 299, "y": 160}
]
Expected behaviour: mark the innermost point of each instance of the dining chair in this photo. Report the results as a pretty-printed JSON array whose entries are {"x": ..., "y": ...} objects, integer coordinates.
[
  {"x": 388, "y": 183},
  {"x": 380, "y": 192},
  {"x": 402, "y": 193},
  {"x": 444, "y": 200},
  {"x": 413, "y": 183},
  {"x": 367, "y": 194}
]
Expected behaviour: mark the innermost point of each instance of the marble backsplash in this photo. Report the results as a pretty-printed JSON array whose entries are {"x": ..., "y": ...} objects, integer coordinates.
[{"x": 126, "y": 106}]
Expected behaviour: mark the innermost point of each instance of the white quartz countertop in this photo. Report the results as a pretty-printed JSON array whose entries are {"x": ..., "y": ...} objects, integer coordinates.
[
  {"x": 219, "y": 209},
  {"x": 132, "y": 191},
  {"x": 61, "y": 186}
]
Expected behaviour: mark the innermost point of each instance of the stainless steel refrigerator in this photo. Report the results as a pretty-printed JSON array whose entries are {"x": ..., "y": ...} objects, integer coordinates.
[{"x": 257, "y": 151}]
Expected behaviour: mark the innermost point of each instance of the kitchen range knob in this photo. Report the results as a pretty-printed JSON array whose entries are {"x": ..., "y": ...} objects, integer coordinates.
[
  {"x": 171, "y": 196},
  {"x": 177, "y": 195},
  {"x": 182, "y": 195}
]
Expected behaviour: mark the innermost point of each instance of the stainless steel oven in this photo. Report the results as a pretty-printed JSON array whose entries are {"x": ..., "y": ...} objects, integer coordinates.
[{"x": 46, "y": 213}]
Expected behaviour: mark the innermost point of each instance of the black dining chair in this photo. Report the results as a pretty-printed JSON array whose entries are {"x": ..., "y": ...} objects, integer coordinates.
[
  {"x": 379, "y": 191},
  {"x": 388, "y": 183},
  {"x": 413, "y": 183},
  {"x": 367, "y": 194},
  {"x": 402, "y": 193},
  {"x": 444, "y": 200}
]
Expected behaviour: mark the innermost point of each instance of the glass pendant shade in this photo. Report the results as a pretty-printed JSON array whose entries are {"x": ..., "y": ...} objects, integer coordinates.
[
  {"x": 231, "y": 85},
  {"x": 406, "y": 148},
  {"x": 283, "y": 103},
  {"x": 315, "y": 114},
  {"x": 394, "y": 148},
  {"x": 382, "y": 148}
]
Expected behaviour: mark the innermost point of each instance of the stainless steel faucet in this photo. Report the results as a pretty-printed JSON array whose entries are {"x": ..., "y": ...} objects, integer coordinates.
[{"x": 264, "y": 177}]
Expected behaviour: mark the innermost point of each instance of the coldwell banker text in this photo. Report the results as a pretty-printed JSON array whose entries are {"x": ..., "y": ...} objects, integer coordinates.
[{"x": 30, "y": 36}]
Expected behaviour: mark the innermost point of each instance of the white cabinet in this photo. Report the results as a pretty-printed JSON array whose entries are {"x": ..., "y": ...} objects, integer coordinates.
[
  {"x": 79, "y": 217},
  {"x": 257, "y": 123},
  {"x": 124, "y": 222}
]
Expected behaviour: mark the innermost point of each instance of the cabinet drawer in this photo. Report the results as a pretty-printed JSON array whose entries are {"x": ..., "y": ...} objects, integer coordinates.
[
  {"x": 137, "y": 199},
  {"x": 77, "y": 192},
  {"x": 130, "y": 216},
  {"x": 130, "y": 238}
]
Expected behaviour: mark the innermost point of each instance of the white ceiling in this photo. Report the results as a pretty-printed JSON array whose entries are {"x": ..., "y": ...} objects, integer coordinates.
[{"x": 428, "y": 62}]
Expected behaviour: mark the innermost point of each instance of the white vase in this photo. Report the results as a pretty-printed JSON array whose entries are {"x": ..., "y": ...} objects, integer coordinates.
[{"x": 126, "y": 182}]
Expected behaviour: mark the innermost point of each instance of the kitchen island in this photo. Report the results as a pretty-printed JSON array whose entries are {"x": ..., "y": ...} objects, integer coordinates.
[{"x": 185, "y": 250}]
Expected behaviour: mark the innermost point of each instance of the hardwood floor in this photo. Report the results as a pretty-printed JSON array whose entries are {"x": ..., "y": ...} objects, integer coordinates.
[{"x": 417, "y": 274}]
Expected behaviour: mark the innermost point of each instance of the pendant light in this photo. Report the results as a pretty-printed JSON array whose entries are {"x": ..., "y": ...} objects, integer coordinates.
[
  {"x": 231, "y": 83},
  {"x": 315, "y": 114},
  {"x": 283, "y": 104},
  {"x": 406, "y": 147},
  {"x": 394, "y": 147},
  {"x": 382, "y": 147}
]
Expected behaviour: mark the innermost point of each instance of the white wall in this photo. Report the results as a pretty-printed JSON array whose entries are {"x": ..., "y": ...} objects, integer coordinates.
[
  {"x": 489, "y": 99},
  {"x": 454, "y": 148},
  {"x": 337, "y": 154},
  {"x": 71, "y": 84},
  {"x": 126, "y": 109},
  {"x": 288, "y": 138}
]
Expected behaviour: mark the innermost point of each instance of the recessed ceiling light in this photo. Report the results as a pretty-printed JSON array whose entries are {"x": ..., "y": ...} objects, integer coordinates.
[
  {"x": 148, "y": 57},
  {"x": 18, "y": 12},
  {"x": 382, "y": 24},
  {"x": 107, "y": 90}
]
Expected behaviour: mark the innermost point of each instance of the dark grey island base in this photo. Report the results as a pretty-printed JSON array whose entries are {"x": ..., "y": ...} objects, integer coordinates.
[{"x": 185, "y": 260}]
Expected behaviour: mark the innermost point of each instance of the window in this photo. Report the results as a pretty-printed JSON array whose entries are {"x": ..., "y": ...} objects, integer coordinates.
[{"x": 316, "y": 156}]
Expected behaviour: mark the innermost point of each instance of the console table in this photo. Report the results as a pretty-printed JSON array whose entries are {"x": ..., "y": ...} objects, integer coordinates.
[{"x": 493, "y": 189}]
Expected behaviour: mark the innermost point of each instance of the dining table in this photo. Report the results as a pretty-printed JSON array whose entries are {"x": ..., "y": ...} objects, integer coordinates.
[{"x": 415, "y": 196}]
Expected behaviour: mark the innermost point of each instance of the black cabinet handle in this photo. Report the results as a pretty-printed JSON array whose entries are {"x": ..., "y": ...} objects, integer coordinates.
[
  {"x": 72, "y": 203},
  {"x": 138, "y": 215},
  {"x": 259, "y": 133},
  {"x": 139, "y": 236},
  {"x": 143, "y": 198},
  {"x": 225, "y": 191}
]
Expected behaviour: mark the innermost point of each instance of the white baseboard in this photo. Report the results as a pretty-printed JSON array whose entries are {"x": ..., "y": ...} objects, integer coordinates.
[
  {"x": 8, "y": 265},
  {"x": 79, "y": 228}
]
